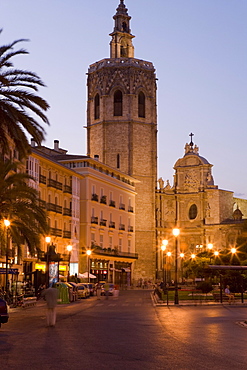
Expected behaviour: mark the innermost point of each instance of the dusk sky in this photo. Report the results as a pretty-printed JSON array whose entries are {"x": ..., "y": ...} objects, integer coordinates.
[{"x": 199, "y": 50}]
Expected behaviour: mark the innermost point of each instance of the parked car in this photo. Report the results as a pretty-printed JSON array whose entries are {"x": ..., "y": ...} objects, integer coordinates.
[
  {"x": 82, "y": 291},
  {"x": 4, "y": 312},
  {"x": 111, "y": 288},
  {"x": 90, "y": 287}
]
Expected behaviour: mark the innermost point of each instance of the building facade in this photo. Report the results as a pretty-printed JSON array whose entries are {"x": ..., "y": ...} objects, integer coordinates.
[
  {"x": 205, "y": 215},
  {"x": 122, "y": 128}
]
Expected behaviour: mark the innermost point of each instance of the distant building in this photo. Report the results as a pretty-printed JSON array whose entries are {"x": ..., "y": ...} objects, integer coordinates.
[{"x": 205, "y": 215}]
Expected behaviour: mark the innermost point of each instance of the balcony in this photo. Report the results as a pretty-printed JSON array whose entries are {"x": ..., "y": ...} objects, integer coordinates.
[
  {"x": 112, "y": 224},
  {"x": 67, "y": 212},
  {"x": 114, "y": 252},
  {"x": 121, "y": 227},
  {"x": 55, "y": 232},
  {"x": 130, "y": 209},
  {"x": 103, "y": 199},
  {"x": 112, "y": 203},
  {"x": 67, "y": 189},
  {"x": 94, "y": 220},
  {"x": 122, "y": 206},
  {"x": 55, "y": 184},
  {"x": 42, "y": 204},
  {"x": 102, "y": 222},
  {"x": 95, "y": 197},
  {"x": 67, "y": 234},
  {"x": 130, "y": 229},
  {"x": 54, "y": 208},
  {"x": 42, "y": 179}
]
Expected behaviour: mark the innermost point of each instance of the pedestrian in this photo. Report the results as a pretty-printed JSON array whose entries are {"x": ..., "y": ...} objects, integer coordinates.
[
  {"x": 98, "y": 290},
  {"x": 50, "y": 295},
  {"x": 106, "y": 289},
  {"x": 229, "y": 294},
  {"x": 116, "y": 291}
]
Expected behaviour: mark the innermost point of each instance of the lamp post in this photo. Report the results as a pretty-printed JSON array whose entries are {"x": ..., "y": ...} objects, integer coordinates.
[
  {"x": 6, "y": 224},
  {"x": 69, "y": 249},
  {"x": 163, "y": 248},
  {"x": 176, "y": 232},
  {"x": 182, "y": 266},
  {"x": 88, "y": 262},
  {"x": 48, "y": 240}
]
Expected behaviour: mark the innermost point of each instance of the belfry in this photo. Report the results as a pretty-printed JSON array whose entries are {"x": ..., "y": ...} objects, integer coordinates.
[{"x": 122, "y": 129}]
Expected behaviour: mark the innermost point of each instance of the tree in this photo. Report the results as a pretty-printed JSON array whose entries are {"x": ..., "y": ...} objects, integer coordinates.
[
  {"x": 19, "y": 203},
  {"x": 20, "y": 106}
]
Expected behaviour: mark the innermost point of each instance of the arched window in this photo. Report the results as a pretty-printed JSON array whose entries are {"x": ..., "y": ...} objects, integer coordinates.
[
  {"x": 118, "y": 103},
  {"x": 96, "y": 106},
  {"x": 141, "y": 105},
  {"x": 192, "y": 212}
]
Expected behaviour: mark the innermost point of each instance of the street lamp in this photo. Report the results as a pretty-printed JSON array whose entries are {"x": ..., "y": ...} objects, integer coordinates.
[
  {"x": 176, "y": 232},
  {"x": 69, "y": 249},
  {"x": 163, "y": 248},
  {"x": 88, "y": 262},
  {"x": 6, "y": 224},
  {"x": 182, "y": 266},
  {"x": 47, "y": 240}
]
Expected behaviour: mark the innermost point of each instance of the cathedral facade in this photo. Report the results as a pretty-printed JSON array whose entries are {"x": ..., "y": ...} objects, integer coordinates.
[
  {"x": 206, "y": 216},
  {"x": 122, "y": 129}
]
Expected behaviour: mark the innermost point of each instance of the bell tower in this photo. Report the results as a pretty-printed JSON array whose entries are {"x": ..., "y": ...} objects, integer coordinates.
[{"x": 122, "y": 129}]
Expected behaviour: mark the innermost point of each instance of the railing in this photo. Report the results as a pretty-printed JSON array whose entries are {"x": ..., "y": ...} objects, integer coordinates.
[
  {"x": 112, "y": 203},
  {"x": 55, "y": 184},
  {"x": 94, "y": 220},
  {"x": 67, "y": 212},
  {"x": 95, "y": 197},
  {"x": 55, "y": 232},
  {"x": 112, "y": 224},
  {"x": 67, "y": 234},
  {"x": 42, "y": 179},
  {"x": 103, "y": 199},
  {"x": 114, "y": 252},
  {"x": 130, "y": 209},
  {"x": 67, "y": 189},
  {"x": 54, "y": 208},
  {"x": 121, "y": 227},
  {"x": 102, "y": 223},
  {"x": 122, "y": 206},
  {"x": 130, "y": 229},
  {"x": 42, "y": 204}
]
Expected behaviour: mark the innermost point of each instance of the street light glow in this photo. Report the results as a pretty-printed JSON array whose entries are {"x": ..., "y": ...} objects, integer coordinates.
[
  {"x": 48, "y": 239},
  {"x": 69, "y": 248},
  {"x": 165, "y": 242},
  {"x": 193, "y": 256},
  {"x": 233, "y": 250},
  {"x": 210, "y": 246},
  {"x": 6, "y": 223},
  {"x": 89, "y": 252},
  {"x": 216, "y": 253},
  {"x": 163, "y": 247},
  {"x": 182, "y": 255},
  {"x": 169, "y": 254},
  {"x": 175, "y": 232}
]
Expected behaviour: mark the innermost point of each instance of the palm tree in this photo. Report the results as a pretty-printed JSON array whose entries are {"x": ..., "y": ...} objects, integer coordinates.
[
  {"x": 19, "y": 203},
  {"x": 19, "y": 105}
]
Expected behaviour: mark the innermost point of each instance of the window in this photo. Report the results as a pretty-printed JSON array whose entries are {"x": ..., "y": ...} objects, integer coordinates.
[
  {"x": 101, "y": 241},
  {"x": 141, "y": 105},
  {"x": 120, "y": 245},
  {"x": 96, "y": 106},
  {"x": 192, "y": 212},
  {"x": 118, "y": 103},
  {"x": 118, "y": 160}
]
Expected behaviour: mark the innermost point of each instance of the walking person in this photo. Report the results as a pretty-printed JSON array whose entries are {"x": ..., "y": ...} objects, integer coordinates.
[
  {"x": 106, "y": 289},
  {"x": 50, "y": 295},
  {"x": 98, "y": 290}
]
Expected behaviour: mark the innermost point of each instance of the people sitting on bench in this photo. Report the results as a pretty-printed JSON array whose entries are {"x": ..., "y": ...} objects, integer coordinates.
[{"x": 229, "y": 294}]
